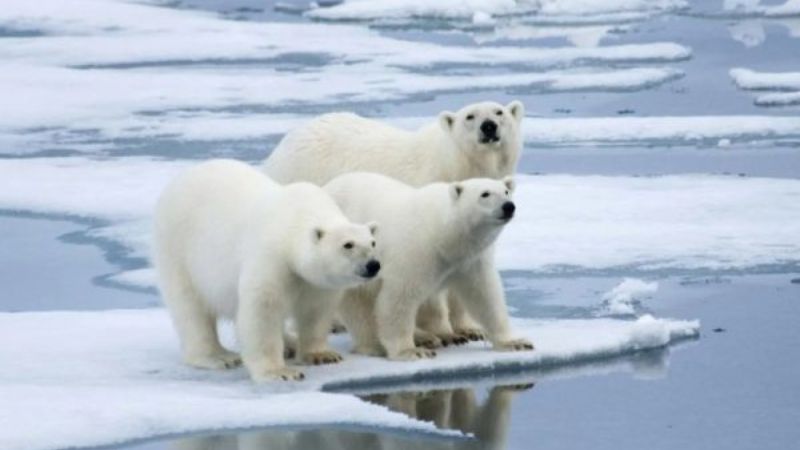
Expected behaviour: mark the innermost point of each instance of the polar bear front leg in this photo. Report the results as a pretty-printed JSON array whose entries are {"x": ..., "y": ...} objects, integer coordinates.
[
  {"x": 396, "y": 317},
  {"x": 314, "y": 312},
  {"x": 259, "y": 325},
  {"x": 357, "y": 310},
  {"x": 481, "y": 290},
  {"x": 434, "y": 324}
]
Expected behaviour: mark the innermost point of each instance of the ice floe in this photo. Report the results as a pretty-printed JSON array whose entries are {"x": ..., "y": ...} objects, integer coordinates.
[
  {"x": 786, "y": 83},
  {"x": 564, "y": 222},
  {"x": 465, "y": 9},
  {"x": 72, "y": 379},
  {"x": 757, "y": 8},
  {"x": 622, "y": 299}
]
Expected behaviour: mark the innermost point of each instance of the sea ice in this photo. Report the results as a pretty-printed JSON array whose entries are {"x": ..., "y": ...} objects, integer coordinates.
[
  {"x": 75, "y": 379},
  {"x": 622, "y": 299}
]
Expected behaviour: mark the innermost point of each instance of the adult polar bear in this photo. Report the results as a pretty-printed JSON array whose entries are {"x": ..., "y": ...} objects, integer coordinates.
[
  {"x": 230, "y": 242},
  {"x": 480, "y": 140}
]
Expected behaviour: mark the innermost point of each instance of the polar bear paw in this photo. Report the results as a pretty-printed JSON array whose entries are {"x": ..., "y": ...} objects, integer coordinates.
[
  {"x": 514, "y": 345},
  {"x": 412, "y": 354},
  {"x": 453, "y": 339},
  {"x": 426, "y": 339},
  {"x": 470, "y": 333},
  {"x": 282, "y": 374},
  {"x": 322, "y": 357},
  {"x": 216, "y": 361}
]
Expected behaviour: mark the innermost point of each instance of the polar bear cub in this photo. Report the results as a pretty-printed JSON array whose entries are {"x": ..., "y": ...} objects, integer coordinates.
[
  {"x": 433, "y": 237},
  {"x": 231, "y": 243}
]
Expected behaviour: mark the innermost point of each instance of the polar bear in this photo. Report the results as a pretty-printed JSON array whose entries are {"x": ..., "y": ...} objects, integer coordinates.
[
  {"x": 231, "y": 243},
  {"x": 439, "y": 235},
  {"x": 480, "y": 140}
]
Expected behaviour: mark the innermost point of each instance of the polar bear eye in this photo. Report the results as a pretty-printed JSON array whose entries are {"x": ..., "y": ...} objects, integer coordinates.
[
  {"x": 499, "y": 112},
  {"x": 348, "y": 245},
  {"x": 506, "y": 192},
  {"x": 373, "y": 243},
  {"x": 470, "y": 116},
  {"x": 485, "y": 194}
]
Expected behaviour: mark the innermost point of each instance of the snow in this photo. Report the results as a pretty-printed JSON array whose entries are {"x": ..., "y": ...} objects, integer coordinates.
[
  {"x": 765, "y": 81},
  {"x": 557, "y": 131},
  {"x": 564, "y": 222},
  {"x": 102, "y": 378},
  {"x": 755, "y": 7},
  {"x": 112, "y": 65},
  {"x": 752, "y": 80},
  {"x": 622, "y": 299},
  {"x": 463, "y": 9}
]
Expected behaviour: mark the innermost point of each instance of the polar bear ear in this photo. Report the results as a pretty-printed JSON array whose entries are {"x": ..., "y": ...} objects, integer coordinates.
[
  {"x": 456, "y": 189},
  {"x": 517, "y": 109},
  {"x": 373, "y": 227},
  {"x": 509, "y": 182},
  {"x": 317, "y": 234},
  {"x": 446, "y": 120}
]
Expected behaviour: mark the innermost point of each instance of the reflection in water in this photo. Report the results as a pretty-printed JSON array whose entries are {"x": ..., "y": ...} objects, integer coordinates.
[
  {"x": 482, "y": 415},
  {"x": 458, "y": 409}
]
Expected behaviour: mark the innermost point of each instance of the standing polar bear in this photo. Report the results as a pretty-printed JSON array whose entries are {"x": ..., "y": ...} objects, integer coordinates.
[
  {"x": 480, "y": 140},
  {"x": 436, "y": 236},
  {"x": 229, "y": 242}
]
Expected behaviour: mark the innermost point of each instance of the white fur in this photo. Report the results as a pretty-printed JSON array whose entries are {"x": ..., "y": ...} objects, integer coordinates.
[
  {"x": 435, "y": 236},
  {"x": 230, "y": 242},
  {"x": 448, "y": 149}
]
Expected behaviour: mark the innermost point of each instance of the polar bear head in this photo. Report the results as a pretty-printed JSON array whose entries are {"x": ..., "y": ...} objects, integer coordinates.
[
  {"x": 339, "y": 255},
  {"x": 483, "y": 201},
  {"x": 486, "y": 126}
]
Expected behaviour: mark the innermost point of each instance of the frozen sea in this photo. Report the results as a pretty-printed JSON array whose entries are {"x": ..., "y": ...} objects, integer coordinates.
[{"x": 660, "y": 177}]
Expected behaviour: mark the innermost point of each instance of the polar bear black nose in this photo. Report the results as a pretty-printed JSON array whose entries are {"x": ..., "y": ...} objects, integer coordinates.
[
  {"x": 373, "y": 267},
  {"x": 489, "y": 128},
  {"x": 508, "y": 210}
]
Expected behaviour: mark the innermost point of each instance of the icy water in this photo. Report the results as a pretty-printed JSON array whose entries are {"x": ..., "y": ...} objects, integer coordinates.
[{"x": 736, "y": 387}]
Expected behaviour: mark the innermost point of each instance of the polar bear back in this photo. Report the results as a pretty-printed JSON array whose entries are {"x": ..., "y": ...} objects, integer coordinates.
[
  {"x": 338, "y": 143},
  {"x": 205, "y": 218}
]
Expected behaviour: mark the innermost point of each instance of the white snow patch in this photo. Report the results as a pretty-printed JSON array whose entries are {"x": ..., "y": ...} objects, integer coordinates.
[
  {"x": 752, "y": 80},
  {"x": 563, "y": 221},
  {"x": 765, "y": 81},
  {"x": 755, "y": 7},
  {"x": 73, "y": 379},
  {"x": 623, "y": 298},
  {"x": 464, "y": 9},
  {"x": 559, "y": 131}
]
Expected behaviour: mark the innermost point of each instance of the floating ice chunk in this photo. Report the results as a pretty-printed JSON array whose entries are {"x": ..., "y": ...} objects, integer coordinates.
[
  {"x": 778, "y": 99},
  {"x": 677, "y": 129},
  {"x": 101, "y": 378},
  {"x": 482, "y": 18},
  {"x": 752, "y": 80},
  {"x": 755, "y": 7},
  {"x": 766, "y": 81},
  {"x": 622, "y": 298},
  {"x": 445, "y": 9},
  {"x": 463, "y": 9}
]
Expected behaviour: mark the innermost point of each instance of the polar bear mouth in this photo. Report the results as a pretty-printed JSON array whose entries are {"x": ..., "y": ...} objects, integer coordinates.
[{"x": 489, "y": 139}]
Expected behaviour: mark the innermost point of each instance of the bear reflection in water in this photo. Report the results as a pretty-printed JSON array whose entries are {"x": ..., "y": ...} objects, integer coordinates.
[{"x": 458, "y": 409}]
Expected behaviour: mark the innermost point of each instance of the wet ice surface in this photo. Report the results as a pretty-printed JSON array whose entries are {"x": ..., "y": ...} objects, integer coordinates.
[{"x": 129, "y": 94}]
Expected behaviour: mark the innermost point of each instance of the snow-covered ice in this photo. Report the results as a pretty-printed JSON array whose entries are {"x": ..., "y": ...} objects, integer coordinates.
[
  {"x": 564, "y": 222},
  {"x": 757, "y": 7},
  {"x": 623, "y": 297},
  {"x": 99, "y": 378},
  {"x": 463, "y": 9},
  {"x": 786, "y": 85}
]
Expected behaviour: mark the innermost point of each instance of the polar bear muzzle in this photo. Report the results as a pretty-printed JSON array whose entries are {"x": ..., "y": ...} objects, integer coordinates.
[
  {"x": 371, "y": 268},
  {"x": 508, "y": 210},
  {"x": 489, "y": 132}
]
